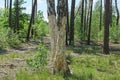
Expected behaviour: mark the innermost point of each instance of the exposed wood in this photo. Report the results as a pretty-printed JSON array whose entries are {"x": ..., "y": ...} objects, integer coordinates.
[{"x": 57, "y": 25}]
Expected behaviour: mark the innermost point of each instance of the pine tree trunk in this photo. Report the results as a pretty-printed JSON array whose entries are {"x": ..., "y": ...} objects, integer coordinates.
[
  {"x": 71, "y": 42},
  {"x": 10, "y": 15},
  {"x": 85, "y": 20},
  {"x": 67, "y": 25},
  {"x": 100, "y": 27},
  {"x": 117, "y": 10},
  {"x": 110, "y": 13},
  {"x": 16, "y": 18},
  {"x": 106, "y": 27},
  {"x": 89, "y": 27},
  {"x": 82, "y": 19},
  {"x": 31, "y": 20},
  {"x": 5, "y": 4},
  {"x": 57, "y": 60}
]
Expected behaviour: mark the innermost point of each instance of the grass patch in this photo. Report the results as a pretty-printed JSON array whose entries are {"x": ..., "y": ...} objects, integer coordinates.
[{"x": 83, "y": 67}]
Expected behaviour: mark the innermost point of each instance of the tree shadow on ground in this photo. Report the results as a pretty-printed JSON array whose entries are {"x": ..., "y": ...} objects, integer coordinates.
[
  {"x": 93, "y": 48},
  {"x": 2, "y": 52},
  {"x": 75, "y": 77}
]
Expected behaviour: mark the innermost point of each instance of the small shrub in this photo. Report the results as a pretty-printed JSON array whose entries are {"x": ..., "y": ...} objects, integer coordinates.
[{"x": 39, "y": 61}]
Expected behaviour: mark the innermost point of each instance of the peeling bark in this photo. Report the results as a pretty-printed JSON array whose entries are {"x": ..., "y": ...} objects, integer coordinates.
[{"x": 57, "y": 61}]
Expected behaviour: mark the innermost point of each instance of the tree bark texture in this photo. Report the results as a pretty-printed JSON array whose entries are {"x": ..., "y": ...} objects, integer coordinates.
[
  {"x": 71, "y": 42},
  {"x": 57, "y": 25},
  {"x": 106, "y": 26}
]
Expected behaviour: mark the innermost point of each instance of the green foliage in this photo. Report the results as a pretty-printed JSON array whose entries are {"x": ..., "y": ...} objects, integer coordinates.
[
  {"x": 39, "y": 61},
  {"x": 22, "y": 16},
  {"x": 96, "y": 67},
  {"x": 8, "y": 38},
  {"x": 115, "y": 33},
  {"x": 3, "y": 38},
  {"x": 25, "y": 75},
  {"x": 13, "y": 39},
  {"x": 42, "y": 29}
]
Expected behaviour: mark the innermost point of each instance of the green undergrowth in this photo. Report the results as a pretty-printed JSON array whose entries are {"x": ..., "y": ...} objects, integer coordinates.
[
  {"x": 83, "y": 67},
  {"x": 94, "y": 67},
  {"x": 11, "y": 56}
]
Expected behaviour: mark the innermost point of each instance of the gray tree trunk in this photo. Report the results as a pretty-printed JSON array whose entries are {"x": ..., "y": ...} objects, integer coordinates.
[{"x": 57, "y": 25}]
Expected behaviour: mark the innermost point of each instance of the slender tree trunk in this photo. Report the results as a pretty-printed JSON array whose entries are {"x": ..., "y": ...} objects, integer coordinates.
[
  {"x": 77, "y": 11},
  {"x": 100, "y": 27},
  {"x": 71, "y": 42},
  {"x": 82, "y": 18},
  {"x": 117, "y": 10},
  {"x": 88, "y": 15},
  {"x": 67, "y": 25},
  {"x": 57, "y": 31},
  {"x": 16, "y": 18},
  {"x": 110, "y": 13},
  {"x": 89, "y": 27},
  {"x": 36, "y": 8},
  {"x": 106, "y": 26},
  {"x": 31, "y": 20},
  {"x": 10, "y": 15},
  {"x": 5, "y": 4},
  {"x": 85, "y": 20}
]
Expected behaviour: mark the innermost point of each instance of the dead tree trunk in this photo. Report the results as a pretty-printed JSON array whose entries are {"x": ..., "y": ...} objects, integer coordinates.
[{"x": 57, "y": 60}]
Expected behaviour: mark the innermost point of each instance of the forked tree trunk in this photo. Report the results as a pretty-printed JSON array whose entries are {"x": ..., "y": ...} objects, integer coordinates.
[
  {"x": 89, "y": 27},
  {"x": 57, "y": 60},
  {"x": 31, "y": 20}
]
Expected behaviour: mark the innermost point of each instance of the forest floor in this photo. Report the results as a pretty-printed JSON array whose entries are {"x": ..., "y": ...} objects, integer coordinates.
[{"x": 12, "y": 60}]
